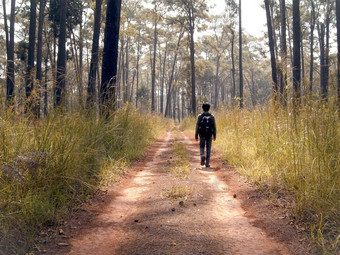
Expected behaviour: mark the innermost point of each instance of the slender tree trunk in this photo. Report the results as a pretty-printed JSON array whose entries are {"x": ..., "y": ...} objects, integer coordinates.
[
  {"x": 163, "y": 78},
  {"x": 137, "y": 64},
  {"x": 42, "y": 4},
  {"x": 81, "y": 48},
  {"x": 153, "y": 73},
  {"x": 323, "y": 82},
  {"x": 61, "y": 62},
  {"x": 217, "y": 79},
  {"x": 240, "y": 55},
  {"x": 91, "y": 87},
  {"x": 283, "y": 79},
  {"x": 110, "y": 56},
  {"x": 167, "y": 107},
  {"x": 327, "y": 34},
  {"x": 126, "y": 78},
  {"x": 296, "y": 54},
  {"x": 272, "y": 52},
  {"x": 233, "y": 87},
  {"x": 312, "y": 26},
  {"x": 10, "y": 81},
  {"x": 192, "y": 60},
  {"x": 45, "y": 88},
  {"x": 338, "y": 42}
]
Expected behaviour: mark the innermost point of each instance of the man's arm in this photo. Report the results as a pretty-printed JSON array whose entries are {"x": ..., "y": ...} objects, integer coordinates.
[
  {"x": 197, "y": 127},
  {"x": 214, "y": 127}
]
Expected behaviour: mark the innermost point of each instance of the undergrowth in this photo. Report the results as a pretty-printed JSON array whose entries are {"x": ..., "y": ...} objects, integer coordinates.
[
  {"x": 78, "y": 154},
  {"x": 296, "y": 152}
]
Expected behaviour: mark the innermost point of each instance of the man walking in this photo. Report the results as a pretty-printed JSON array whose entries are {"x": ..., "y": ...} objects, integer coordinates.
[{"x": 206, "y": 130}]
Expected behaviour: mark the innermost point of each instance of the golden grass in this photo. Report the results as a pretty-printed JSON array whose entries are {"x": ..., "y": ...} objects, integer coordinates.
[
  {"x": 82, "y": 153},
  {"x": 298, "y": 152}
]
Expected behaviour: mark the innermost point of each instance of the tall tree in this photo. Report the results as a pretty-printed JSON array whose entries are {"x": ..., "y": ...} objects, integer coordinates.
[
  {"x": 94, "y": 56},
  {"x": 42, "y": 4},
  {"x": 240, "y": 54},
  {"x": 61, "y": 62},
  {"x": 193, "y": 11},
  {"x": 30, "y": 61},
  {"x": 272, "y": 50},
  {"x": 338, "y": 42},
  {"x": 153, "y": 68},
  {"x": 312, "y": 27},
  {"x": 110, "y": 56},
  {"x": 296, "y": 53},
  {"x": 10, "y": 80},
  {"x": 283, "y": 50}
]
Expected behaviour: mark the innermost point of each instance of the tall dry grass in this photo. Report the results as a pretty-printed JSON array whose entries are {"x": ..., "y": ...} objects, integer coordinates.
[
  {"x": 79, "y": 153},
  {"x": 296, "y": 152}
]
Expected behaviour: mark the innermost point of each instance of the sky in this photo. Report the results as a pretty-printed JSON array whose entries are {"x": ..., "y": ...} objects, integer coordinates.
[{"x": 253, "y": 15}]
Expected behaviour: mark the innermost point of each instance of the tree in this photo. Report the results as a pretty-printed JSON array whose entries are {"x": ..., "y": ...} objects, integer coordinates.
[
  {"x": 10, "y": 80},
  {"x": 153, "y": 68},
  {"x": 312, "y": 26},
  {"x": 193, "y": 11},
  {"x": 30, "y": 61},
  {"x": 338, "y": 41},
  {"x": 283, "y": 51},
  {"x": 272, "y": 51},
  {"x": 296, "y": 54},
  {"x": 42, "y": 4},
  {"x": 94, "y": 55},
  {"x": 110, "y": 56},
  {"x": 240, "y": 55},
  {"x": 61, "y": 63}
]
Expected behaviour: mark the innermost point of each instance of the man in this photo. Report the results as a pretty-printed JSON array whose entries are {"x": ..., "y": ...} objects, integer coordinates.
[{"x": 206, "y": 130}]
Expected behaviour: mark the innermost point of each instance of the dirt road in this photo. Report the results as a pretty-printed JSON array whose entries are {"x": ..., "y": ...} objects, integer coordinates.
[{"x": 218, "y": 213}]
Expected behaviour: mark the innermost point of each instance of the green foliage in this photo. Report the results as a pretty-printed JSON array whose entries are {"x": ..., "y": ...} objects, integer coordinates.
[
  {"x": 81, "y": 153},
  {"x": 298, "y": 152}
]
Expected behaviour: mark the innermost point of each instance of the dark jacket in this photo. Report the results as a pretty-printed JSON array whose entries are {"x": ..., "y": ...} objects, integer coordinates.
[{"x": 199, "y": 118}]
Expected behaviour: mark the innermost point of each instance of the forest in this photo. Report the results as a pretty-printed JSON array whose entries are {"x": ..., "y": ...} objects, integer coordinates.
[{"x": 87, "y": 86}]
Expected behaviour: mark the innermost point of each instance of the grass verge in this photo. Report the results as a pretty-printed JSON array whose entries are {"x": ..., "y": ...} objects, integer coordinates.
[
  {"x": 296, "y": 152},
  {"x": 49, "y": 166}
]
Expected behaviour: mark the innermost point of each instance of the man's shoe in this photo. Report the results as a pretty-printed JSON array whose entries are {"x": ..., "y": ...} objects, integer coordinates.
[
  {"x": 207, "y": 165},
  {"x": 202, "y": 161}
]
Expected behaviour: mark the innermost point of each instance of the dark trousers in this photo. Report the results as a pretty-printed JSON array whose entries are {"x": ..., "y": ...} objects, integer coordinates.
[{"x": 205, "y": 143}]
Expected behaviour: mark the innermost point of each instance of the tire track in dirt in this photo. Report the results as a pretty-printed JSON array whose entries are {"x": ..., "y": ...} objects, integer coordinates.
[{"x": 136, "y": 218}]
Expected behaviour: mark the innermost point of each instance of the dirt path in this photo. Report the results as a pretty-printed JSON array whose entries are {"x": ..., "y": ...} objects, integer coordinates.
[{"x": 222, "y": 214}]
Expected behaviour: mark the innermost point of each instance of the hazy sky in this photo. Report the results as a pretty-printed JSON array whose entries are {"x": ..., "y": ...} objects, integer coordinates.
[{"x": 253, "y": 15}]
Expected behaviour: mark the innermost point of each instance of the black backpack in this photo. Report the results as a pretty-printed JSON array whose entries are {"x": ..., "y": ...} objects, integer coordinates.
[{"x": 206, "y": 125}]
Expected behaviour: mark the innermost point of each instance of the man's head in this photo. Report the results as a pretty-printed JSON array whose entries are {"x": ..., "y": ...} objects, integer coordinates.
[{"x": 206, "y": 107}]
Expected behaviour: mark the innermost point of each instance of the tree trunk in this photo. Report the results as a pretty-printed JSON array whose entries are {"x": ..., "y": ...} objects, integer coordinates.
[
  {"x": 338, "y": 42},
  {"x": 153, "y": 72},
  {"x": 296, "y": 53},
  {"x": 61, "y": 62},
  {"x": 272, "y": 52},
  {"x": 10, "y": 81},
  {"x": 323, "y": 82},
  {"x": 233, "y": 87},
  {"x": 81, "y": 48},
  {"x": 312, "y": 26},
  {"x": 167, "y": 106},
  {"x": 110, "y": 56},
  {"x": 217, "y": 79},
  {"x": 283, "y": 71},
  {"x": 240, "y": 55},
  {"x": 137, "y": 64},
  {"x": 91, "y": 88},
  {"x": 192, "y": 60},
  {"x": 163, "y": 78},
  {"x": 42, "y": 4}
]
